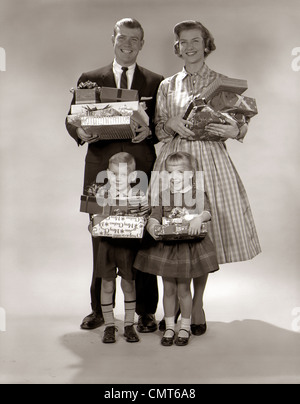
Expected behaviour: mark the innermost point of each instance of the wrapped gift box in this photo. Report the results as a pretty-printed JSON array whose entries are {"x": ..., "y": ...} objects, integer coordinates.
[
  {"x": 201, "y": 116},
  {"x": 87, "y": 95},
  {"x": 113, "y": 127},
  {"x": 178, "y": 231},
  {"x": 237, "y": 86},
  {"x": 139, "y": 115},
  {"x": 118, "y": 226},
  {"x": 230, "y": 102},
  {"x": 110, "y": 94}
]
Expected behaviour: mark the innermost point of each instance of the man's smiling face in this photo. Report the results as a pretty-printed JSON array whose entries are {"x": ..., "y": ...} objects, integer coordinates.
[{"x": 127, "y": 44}]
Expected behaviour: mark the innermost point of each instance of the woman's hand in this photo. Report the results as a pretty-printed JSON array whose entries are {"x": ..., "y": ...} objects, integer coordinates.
[
  {"x": 180, "y": 126},
  {"x": 229, "y": 130}
]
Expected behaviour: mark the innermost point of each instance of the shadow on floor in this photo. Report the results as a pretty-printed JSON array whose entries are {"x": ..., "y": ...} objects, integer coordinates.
[{"x": 248, "y": 351}]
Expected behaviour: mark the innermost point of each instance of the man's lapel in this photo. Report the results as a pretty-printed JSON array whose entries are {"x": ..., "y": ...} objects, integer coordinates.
[
  {"x": 138, "y": 80},
  {"x": 109, "y": 78}
]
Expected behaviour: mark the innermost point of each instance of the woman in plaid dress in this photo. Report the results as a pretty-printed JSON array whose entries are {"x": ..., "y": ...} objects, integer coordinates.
[{"x": 232, "y": 227}]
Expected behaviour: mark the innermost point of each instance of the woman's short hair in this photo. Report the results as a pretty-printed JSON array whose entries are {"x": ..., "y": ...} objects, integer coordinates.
[
  {"x": 209, "y": 42},
  {"x": 129, "y": 23}
]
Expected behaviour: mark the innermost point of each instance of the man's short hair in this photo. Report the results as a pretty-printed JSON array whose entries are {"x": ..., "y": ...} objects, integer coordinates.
[{"x": 129, "y": 23}]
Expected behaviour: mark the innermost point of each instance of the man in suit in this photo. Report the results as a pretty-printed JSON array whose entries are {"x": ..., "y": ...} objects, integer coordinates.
[{"x": 128, "y": 41}]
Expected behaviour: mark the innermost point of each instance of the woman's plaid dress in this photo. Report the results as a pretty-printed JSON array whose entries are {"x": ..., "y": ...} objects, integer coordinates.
[{"x": 232, "y": 227}]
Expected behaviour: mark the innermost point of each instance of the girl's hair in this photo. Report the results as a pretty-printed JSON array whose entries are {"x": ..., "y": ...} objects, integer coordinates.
[
  {"x": 124, "y": 158},
  {"x": 128, "y": 23},
  {"x": 182, "y": 158},
  {"x": 209, "y": 42}
]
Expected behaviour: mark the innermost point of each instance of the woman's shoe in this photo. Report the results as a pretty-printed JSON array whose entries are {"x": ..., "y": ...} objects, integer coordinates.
[
  {"x": 198, "y": 329},
  {"x": 168, "y": 341},
  {"x": 183, "y": 341}
]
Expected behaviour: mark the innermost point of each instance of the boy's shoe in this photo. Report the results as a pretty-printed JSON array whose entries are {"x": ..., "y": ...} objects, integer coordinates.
[
  {"x": 130, "y": 334},
  {"x": 109, "y": 336}
]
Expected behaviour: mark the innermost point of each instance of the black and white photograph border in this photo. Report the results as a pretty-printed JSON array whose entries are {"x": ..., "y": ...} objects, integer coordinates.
[{"x": 252, "y": 307}]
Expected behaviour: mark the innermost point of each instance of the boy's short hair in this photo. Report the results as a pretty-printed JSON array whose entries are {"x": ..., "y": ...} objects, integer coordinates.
[{"x": 123, "y": 158}]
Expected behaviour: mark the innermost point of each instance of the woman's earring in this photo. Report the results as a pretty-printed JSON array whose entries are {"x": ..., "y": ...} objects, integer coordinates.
[{"x": 206, "y": 50}]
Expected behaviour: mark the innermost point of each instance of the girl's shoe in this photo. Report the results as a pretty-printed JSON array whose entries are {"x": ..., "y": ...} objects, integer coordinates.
[
  {"x": 198, "y": 329},
  {"x": 168, "y": 341},
  {"x": 183, "y": 341}
]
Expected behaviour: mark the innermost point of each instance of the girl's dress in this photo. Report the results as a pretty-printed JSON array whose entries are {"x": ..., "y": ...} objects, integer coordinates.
[
  {"x": 176, "y": 258},
  {"x": 232, "y": 229}
]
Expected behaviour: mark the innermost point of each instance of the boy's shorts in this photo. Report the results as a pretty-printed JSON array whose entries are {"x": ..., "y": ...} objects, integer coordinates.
[{"x": 116, "y": 257}]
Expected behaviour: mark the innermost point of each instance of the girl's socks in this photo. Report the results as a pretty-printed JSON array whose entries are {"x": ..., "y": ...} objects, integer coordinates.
[
  {"x": 185, "y": 327},
  {"x": 170, "y": 325}
]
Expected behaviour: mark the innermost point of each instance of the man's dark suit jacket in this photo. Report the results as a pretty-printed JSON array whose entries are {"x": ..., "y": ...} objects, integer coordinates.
[{"x": 98, "y": 154}]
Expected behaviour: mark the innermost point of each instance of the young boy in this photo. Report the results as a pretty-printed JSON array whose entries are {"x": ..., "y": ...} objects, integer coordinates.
[{"x": 116, "y": 255}]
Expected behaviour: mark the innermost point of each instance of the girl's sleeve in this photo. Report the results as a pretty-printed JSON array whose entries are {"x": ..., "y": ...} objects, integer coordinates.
[{"x": 162, "y": 114}]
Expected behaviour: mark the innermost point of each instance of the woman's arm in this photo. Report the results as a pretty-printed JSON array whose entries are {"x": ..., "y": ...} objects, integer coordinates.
[{"x": 168, "y": 126}]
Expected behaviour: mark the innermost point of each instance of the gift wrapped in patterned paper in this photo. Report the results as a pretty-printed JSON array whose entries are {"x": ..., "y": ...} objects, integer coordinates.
[
  {"x": 177, "y": 231},
  {"x": 229, "y": 102}
]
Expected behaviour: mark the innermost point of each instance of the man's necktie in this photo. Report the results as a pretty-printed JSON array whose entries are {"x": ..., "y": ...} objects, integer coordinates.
[{"x": 124, "y": 83}]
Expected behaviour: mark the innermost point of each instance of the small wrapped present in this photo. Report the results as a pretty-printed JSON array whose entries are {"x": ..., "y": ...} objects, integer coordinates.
[
  {"x": 226, "y": 101},
  {"x": 201, "y": 116},
  {"x": 86, "y": 93},
  {"x": 177, "y": 231},
  {"x": 111, "y": 94},
  {"x": 237, "y": 86},
  {"x": 117, "y": 226},
  {"x": 87, "y": 96}
]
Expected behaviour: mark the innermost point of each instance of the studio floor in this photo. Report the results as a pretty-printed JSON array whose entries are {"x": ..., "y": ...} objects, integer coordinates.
[
  {"x": 54, "y": 351},
  {"x": 245, "y": 343}
]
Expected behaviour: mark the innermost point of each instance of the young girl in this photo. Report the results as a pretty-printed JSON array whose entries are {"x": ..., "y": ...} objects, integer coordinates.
[{"x": 178, "y": 261}]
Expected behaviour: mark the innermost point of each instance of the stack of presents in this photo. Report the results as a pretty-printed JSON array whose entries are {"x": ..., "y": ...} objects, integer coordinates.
[
  {"x": 107, "y": 112},
  {"x": 110, "y": 112}
]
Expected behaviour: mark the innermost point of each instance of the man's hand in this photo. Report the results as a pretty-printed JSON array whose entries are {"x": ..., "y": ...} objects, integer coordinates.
[
  {"x": 142, "y": 133},
  {"x": 89, "y": 138}
]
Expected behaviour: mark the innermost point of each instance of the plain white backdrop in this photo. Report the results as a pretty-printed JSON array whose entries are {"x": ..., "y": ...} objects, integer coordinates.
[{"x": 46, "y": 255}]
